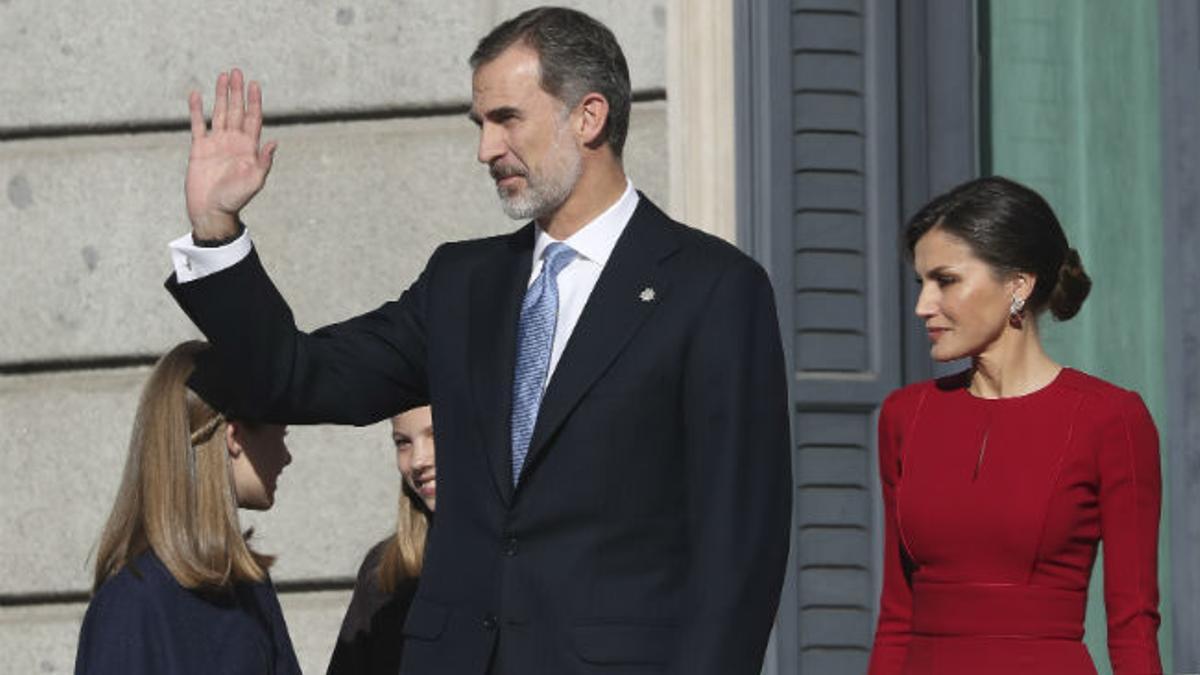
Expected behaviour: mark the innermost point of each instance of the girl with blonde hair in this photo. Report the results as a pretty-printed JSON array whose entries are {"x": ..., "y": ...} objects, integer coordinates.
[
  {"x": 178, "y": 588},
  {"x": 370, "y": 640}
]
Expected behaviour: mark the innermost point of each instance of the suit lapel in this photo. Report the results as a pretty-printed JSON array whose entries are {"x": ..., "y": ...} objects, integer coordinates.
[
  {"x": 615, "y": 309},
  {"x": 497, "y": 287}
]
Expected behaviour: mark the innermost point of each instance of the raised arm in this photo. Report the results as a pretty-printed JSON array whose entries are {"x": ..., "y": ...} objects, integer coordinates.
[
  {"x": 226, "y": 166},
  {"x": 355, "y": 372},
  {"x": 262, "y": 366}
]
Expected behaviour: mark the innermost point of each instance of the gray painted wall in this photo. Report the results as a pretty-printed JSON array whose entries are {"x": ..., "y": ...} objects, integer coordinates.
[
  {"x": 1179, "y": 64},
  {"x": 375, "y": 168}
]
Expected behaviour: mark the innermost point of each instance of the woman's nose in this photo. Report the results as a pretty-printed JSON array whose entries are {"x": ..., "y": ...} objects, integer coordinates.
[
  {"x": 926, "y": 304},
  {"x": 423, "y": 454}
]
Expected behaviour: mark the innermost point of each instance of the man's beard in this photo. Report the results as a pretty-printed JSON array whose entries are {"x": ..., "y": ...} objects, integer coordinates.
[{"x": 545, "y": 189}]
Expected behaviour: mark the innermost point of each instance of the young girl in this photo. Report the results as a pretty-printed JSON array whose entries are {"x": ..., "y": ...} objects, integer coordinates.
[
  {"x": 370, "y": 640},
  {"x": 177, "y": 587}
]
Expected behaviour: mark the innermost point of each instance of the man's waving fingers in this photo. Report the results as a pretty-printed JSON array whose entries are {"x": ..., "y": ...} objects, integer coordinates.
[
  {"x": 253, "y": 123},
  {"x": 237, "y": 104},
  {"x": 220, "y": 102},
  {"x": 196, "y": 111}
]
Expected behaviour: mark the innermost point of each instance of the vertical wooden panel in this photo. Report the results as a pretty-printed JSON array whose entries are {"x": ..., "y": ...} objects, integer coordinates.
[
  {"x": 847, "y": 356},
  {"x": 1179, "y": 67}
]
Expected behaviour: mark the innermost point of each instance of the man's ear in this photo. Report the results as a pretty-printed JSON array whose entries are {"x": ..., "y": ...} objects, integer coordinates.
[
  {"x": 592, "y": 119},
  {"x": 233, "y": 438}
]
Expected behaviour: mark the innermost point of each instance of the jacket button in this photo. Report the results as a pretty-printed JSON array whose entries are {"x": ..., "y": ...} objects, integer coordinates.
[
  {"x": 510, "y": 546},
  {"x": 489, "y": 622}
]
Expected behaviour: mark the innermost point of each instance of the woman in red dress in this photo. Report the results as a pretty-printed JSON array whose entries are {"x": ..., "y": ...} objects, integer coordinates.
[{"x": 999, "y": 483}]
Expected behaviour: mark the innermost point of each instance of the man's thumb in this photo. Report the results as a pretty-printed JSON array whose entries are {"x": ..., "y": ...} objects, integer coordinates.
[{"x": 266, "y": 156}]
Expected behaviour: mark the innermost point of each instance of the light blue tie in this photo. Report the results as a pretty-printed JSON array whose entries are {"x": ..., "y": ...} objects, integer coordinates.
[{"x": 535, "y": 339}]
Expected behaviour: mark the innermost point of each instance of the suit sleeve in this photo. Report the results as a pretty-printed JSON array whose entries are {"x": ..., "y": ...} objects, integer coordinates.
[
  {"x": 738, "y": 477},
  {"x": 895, "y": 602},
  {"x": 355, "y": 372},
  {"x": 1130, "y": 503}
]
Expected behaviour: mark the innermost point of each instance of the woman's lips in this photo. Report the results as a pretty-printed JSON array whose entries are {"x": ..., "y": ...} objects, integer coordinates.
[
  {"x": 427, "y": 488},
  {"x": 935, "y": 333}
]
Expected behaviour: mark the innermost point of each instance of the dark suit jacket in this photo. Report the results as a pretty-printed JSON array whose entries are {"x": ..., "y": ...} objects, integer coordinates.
[{"x": 649, "y": 531}]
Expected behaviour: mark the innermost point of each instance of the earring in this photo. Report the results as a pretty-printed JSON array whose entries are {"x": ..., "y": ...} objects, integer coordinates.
[
  {"x": 1015, "y": 311},
  {"x": 1017, "y": 307}
]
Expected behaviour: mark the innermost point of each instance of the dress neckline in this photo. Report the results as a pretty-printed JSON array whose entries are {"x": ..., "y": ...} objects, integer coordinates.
[{"x": 1053, "y": 384}]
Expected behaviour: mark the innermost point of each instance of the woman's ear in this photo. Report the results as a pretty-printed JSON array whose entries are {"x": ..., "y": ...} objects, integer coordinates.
[
  {"x": 233, "y": 438},
  {"x": 1021, "y": 285}
]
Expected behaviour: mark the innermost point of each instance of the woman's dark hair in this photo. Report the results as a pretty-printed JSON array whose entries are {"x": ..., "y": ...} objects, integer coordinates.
[{"x": 1013, "y": 229}]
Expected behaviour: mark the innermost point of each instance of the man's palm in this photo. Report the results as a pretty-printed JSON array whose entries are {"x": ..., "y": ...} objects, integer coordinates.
[{"x": 226, "y": 167}]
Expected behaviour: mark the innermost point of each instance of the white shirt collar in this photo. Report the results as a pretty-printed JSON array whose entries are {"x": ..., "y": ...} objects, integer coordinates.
[{"x": 596, "y": 240}]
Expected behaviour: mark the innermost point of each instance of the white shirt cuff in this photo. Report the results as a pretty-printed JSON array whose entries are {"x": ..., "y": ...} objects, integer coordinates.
[{"x": 196, "y": 262}]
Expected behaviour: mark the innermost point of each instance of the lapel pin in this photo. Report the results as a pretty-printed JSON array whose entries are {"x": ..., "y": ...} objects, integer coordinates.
[{"x": 647, "y": 295}]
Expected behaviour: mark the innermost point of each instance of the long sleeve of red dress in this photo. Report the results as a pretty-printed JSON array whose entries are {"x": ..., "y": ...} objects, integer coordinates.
[
  {"x": 1130, "y": 503},
  {"x": 895, "y": 602},
  {"x": 993, "y": 514}
]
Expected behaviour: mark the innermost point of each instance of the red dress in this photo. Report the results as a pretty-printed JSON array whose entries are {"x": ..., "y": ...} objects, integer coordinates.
[{"x": 993, "y": 512}]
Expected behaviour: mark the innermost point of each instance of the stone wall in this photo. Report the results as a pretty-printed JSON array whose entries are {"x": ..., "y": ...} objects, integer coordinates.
[{"x": 375, "y": 168}]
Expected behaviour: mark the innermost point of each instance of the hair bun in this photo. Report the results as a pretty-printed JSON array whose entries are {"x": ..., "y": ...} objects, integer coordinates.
[{"x": 1072, "y": 288}]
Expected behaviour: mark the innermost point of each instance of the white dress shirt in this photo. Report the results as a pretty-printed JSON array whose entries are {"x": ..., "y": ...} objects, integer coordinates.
[
  {"x": 194, "y": 262},
  {"x": 593, "y": 244}
]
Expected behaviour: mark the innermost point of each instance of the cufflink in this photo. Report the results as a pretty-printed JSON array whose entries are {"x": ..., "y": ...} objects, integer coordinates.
[{"x": 647, "y": 295}]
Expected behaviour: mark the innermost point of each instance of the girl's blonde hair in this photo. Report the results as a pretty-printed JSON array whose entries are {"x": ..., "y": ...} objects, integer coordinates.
[
  {"x": 176, "y": 496},
  {"x": 404, "y": 554}
]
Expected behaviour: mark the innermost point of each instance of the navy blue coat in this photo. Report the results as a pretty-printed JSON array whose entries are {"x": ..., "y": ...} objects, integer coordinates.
[{"x": 142, "y": 622}]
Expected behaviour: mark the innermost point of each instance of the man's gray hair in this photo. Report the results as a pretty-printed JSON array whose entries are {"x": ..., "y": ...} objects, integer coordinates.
[{"x": 578, "y": 55}]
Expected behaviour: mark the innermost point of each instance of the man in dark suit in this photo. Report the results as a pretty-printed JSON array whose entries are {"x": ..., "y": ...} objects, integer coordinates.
[{"x": 614, "y": 484}]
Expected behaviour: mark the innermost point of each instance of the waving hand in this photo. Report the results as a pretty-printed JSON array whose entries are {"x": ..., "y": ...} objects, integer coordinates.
[{"x": 226, "y": 167}]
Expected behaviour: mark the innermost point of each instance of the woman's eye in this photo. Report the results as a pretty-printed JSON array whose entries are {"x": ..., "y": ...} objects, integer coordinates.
[{"x": 945, "y": 281}]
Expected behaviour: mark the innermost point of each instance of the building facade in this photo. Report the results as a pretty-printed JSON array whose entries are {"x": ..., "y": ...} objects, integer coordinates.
[
  {"x": 853, "y": 113},
  {"x": 804, "y": 130}
]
